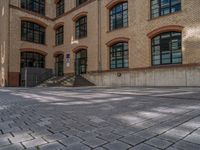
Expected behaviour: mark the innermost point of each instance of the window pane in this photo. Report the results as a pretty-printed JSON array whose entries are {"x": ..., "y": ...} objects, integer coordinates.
[
  {"x": 163, "y": 7},
  {"x": 34, "y": 5},
  {"x": 119, "y": 16},
  {"x": 32, "y": 32},
  {"x": 119, "y": 56},
  {"x": 166, "y": 49}
]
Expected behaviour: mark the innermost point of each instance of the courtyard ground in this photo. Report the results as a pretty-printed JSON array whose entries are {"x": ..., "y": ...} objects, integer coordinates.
[{"x": 100, "y": 118}]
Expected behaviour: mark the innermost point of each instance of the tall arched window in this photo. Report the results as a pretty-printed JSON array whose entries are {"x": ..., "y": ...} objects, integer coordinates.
[
  {"x": 60, "y": 7},
  {"x": 37, "y": 6},
  {"x": 163, "y": 7},
  {"x": 59, "y": 35},
  {"x": 81, "y": 27},
  {"x": 79, "y": 2},
  {"x": 32, "y": 32},
  {"x": 166, "y": 49},
  {"x": 119, "y": 55},
  {"x": 32, "y": 59},
  {"x": 119, "y": 16}
]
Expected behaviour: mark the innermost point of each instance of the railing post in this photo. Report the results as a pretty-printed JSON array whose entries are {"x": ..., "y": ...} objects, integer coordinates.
[{"x": 25, "y": 76}]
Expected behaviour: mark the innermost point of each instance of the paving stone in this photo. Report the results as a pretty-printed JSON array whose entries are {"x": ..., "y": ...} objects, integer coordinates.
[
  {"x": 184, "y": 145},
  {"x": 73, "y": 132},
  {"x": 143, "y": 147},
  {"x": 169, "y": 138},
  {"x": 193, "y": 138},
  {"x": 14, "y": 129},
  {"x": 117, "y": 145},
  {"x": 146, "y": 134},
  {"x": 52, "y": 146},
  {"x": 54, "y": 137},
  {"x": 94, "y": 142},
  {"x": 12, "y": 147},
  {"x": 159, "y": 143},
  {"x": 78, "y": 147},
  {"x": 177, "y": 132},
  {"x": 87, "y": 135},
  {"x": 20, "y": 138},
  {"x": 4, "y": 142},
  {"x": 100, "y": 148},
  {"x": 123, "y": 132},
  {"x": 132, "y": 139},
  {"x": 172, "y": 148},
  {"x": 34, "y": 142},
  {"x": 109, "y": 137},
  {"x": 104, "y": 130},
  {"x": 70, "y": 140}
]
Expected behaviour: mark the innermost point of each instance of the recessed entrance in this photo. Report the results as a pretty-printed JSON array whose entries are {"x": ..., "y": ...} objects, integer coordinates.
[
  {"x": 81, "y": 62},
  {"x": 59, "y": 65}
]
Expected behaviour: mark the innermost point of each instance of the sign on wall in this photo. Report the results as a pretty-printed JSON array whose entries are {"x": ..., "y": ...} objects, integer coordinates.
[{"x": 68, "y": 60}]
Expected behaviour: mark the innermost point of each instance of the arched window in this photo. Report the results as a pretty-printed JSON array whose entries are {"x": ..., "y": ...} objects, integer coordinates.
[
  {"x": 163, "y": 7},
  {"x": 37, "y": 6},
  {"x": 81, "y": 27},
  {"x": 166, "y": 49},
  {"x": 119, "y": 55},
  {"x": 79, "y": 2},
  {"x": 59, "y": 35},
  {"x": 119, "y": 16},
  {"x": 60, "y": 7},
  {"x": 32, "y": 59},
  {"x": 81, "y": 62},
  {"x": 32, "y": 32}
]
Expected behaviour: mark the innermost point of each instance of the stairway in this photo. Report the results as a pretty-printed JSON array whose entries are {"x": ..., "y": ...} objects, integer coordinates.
[
  {"x": 66, "y": 81},
  {"x": 81, "y": 81}
]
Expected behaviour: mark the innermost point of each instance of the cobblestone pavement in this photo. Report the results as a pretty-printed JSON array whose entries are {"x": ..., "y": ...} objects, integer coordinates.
[{"x": 100, "y": 119}]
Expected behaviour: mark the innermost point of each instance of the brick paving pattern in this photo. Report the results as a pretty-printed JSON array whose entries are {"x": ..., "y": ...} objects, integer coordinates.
[{"x": 100, "y": 119}]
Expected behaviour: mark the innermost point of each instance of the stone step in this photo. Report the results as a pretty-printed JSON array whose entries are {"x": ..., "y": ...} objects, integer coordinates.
[{"x": 66, "y": 81}]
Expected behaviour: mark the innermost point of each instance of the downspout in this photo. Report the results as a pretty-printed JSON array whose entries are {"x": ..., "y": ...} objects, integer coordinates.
[
  {"x": 8, "y": 44},
  {"x": 99, "y": 41}
]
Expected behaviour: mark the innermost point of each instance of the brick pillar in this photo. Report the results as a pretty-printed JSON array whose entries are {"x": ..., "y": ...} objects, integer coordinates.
[{"x": 13, "y": 79}]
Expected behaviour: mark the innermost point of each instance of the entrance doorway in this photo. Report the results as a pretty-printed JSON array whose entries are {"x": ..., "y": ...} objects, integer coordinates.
[
  {"x": 59, "y": 71},
  {"x": 81, "y": 62}
]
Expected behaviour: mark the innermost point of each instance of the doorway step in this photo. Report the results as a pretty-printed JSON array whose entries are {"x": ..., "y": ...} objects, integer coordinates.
[
  {"x": 66, "y": 81},
  {"x": 81, "y": 81}
]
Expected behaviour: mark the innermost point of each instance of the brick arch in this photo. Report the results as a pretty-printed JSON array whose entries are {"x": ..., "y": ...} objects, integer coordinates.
[
  {"x": 34, "y": 20},
  {"x": 117, "y": 40},
  {"x": 57, "y": 25},
  {"x": 33, "y": 50},
  {"x": 111, "y": 4},
  {"x": 79, "y": 15},
  {"x": 76, "y": 49},
  {"x": 58, "y": 53},
  {"x": 163, "y": 29}
]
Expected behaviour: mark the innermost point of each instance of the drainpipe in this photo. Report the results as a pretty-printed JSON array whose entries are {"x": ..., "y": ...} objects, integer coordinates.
[
  {"x": 8, "y": 65},
  {"x": 99, "y": 40}
]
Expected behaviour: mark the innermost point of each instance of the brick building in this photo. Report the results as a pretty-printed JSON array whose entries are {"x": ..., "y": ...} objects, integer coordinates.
[{"x": 109, "y": 42}]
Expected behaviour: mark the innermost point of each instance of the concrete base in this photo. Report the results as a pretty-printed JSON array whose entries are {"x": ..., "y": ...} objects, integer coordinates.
[{"x": 173, "y": 76}]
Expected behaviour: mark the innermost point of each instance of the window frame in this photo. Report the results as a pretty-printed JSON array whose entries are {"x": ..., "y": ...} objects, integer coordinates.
[
  {"x": 60, "y": 8},
  {"x": 160, "y": 9},
  {"x": 79, "y": 25},
  {"x": 35, "y": 56},
  {"x": 80, "y": 2},
  {"x": 30, "y": 5},
  {"x": 59, "y": 35},
  {"x": 111, "y": 26},
  {"x": 170, "y": 49},
  {"x": 114, "y": 52},
  {"x": 38, "y": 32}
]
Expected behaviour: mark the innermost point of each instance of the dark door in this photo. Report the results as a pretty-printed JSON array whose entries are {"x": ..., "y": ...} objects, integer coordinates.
[
  {"x": 81, "y": 62},
  {"x": 59, "y": 65}
]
